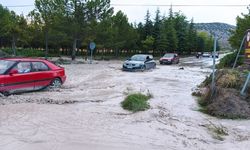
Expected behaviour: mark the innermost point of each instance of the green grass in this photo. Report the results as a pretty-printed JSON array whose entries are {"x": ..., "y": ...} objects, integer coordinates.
[
  {"x": 136, "y": 102},
  {"x": 217, "y": 131}
]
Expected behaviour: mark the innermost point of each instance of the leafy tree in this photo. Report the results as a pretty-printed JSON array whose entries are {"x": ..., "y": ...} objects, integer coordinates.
[
  {"x": 45, "y": 10},
  {"x": 98, "y": 10},
  {"x": 201, "y": 42},
  {"x": 192, "y": 38},
  {"x": 35, "y": 30},
  {"x": 140, "y": 32},
  {"x": 209, "y": 43},
  {"x": 13, "y": 27},
  {"x": 171, "y": 36},
  {"x": 243, "y": 23},
  {"x": 148, "y": 44},
  {"x": 4, "y": 17},
  {"x": 181, "y": 27},
  {"x": 124, "y": 36},
  {"x": 163, "y": 43},
  {"x": 205, "y": 42}
]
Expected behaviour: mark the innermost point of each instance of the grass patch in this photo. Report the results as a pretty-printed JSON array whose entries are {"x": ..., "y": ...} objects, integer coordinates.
[
  {"x": 218, "y": 131},
  {"x": 136, "y": 102}
]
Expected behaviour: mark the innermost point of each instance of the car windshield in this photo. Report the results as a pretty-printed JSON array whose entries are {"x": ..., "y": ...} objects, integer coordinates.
[
  {"x": 5, "y": 65},
  {"x": 138, "y": 58},
  {"x": 168, "y": 55}
]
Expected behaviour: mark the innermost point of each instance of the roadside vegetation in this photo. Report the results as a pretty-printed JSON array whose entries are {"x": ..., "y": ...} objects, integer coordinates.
[
  {"x": 136, "y": 102},
  {"x": 228, "y": 61},
  {"x": 26, "y": 52},
  {"x": 225, "y": 100},
  {"x": 217, "y": 131}
]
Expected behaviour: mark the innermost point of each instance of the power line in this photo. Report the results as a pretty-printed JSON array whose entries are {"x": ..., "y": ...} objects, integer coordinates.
[
  {"x": 178, "y": 5},
  {"x": 152, "y": 5}
]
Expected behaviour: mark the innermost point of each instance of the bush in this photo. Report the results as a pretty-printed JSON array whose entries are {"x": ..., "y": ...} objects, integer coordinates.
[
  {"x": 225, "y": 78},
  {"x": 136, "y": 102},
  {"x": 28, "y": 52},
  {"x": 230, "y": 79},
  {"x": 228, "y": 61}
]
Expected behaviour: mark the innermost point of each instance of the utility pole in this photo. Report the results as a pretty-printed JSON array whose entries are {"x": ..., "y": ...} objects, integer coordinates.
[
  {"x": 238, "y": 54},
  {"x": 213, "y": 74}
]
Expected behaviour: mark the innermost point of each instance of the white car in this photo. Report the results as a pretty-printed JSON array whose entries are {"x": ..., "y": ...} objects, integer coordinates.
[{"x": 206, "y": 54}]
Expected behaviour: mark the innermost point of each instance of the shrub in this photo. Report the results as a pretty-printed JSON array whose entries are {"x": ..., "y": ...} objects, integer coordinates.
[
  {"x": 226, "y": 78},
  {"x": 136, "y": 102},
  {"x": 228, "y": 61},
  {"x": 231, "y": 79},
  {"x": 28, "y": 52}
]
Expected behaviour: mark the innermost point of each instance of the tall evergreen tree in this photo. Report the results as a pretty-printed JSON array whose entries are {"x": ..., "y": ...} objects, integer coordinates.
[
  {"x": 156, "y": 31},
  {"x": 181, "y": 27},
  {"x": 148, "y": 28},
  {"x": 191, "y": 38}
]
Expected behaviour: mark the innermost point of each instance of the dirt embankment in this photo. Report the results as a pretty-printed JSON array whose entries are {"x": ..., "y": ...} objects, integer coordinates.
[{"x": 225, "y": 100}]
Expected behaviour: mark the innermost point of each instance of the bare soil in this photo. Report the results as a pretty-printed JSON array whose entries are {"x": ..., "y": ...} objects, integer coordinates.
[{"x": 86, "y": 112}]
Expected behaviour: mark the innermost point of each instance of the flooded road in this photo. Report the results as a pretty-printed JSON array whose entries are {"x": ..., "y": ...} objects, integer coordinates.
[{"x": 86, "y": 112}]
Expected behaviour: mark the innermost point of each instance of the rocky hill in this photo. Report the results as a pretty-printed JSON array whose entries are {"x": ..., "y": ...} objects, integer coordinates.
[{"x": 221, "y": 30}]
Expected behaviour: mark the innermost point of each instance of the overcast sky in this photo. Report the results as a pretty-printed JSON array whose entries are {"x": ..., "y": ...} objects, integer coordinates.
[{"x": 136, "y": 9}]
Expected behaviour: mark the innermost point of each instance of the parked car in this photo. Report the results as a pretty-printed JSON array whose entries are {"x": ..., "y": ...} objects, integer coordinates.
[
  {"x": 198, "y": 54},
  {"x": 216, "y": 54},
  {"x": 139, "y": 62},
  {"x": 170, "y": 58},
  {"x": 27, "y": 74},
  {"x": 206, "y": 54}
]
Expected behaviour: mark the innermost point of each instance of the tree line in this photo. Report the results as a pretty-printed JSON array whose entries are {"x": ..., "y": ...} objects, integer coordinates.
[{"x": 66, "y": 27}]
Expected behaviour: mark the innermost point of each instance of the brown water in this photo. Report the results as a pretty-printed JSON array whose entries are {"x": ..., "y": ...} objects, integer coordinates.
[{"x": 86, "y": 113}]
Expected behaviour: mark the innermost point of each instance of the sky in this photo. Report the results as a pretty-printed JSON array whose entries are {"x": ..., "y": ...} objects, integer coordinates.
[{"x": 136, "y": 9}]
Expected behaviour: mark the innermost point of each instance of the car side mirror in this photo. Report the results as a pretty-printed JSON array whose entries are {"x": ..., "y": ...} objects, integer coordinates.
[{"x": 13, "y": 71}]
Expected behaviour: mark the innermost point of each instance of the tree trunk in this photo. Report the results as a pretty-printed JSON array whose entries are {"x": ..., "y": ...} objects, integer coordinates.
[
  {"x": 73, "y": 56},
  {"x": 117, "y": 52},
  {"x": 14, "y": 45},
  {"x": 46, "y": 44}
]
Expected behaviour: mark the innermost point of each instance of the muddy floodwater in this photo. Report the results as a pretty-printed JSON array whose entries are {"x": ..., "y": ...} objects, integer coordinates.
[{"x": 86, "y": 114}]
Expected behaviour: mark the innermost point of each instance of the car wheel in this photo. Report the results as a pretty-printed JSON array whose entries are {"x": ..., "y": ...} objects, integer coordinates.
[
  {"x": 56, "y": 83},
  {"x": 5, "y": 93},
  {"x": 154, "y": 66},
  {"x": 143, "y": 68}
]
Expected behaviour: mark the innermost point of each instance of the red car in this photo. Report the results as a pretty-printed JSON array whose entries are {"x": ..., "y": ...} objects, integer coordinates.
[
  {"x": 27, "y": 74},
  {"x": 170, "y": 58}
]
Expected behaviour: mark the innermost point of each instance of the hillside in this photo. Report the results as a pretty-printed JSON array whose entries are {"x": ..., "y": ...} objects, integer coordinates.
[{"x": 220, "y": 29}]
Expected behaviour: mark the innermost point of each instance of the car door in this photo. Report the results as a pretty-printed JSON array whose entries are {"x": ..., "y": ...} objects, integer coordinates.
[
  {"x": 147, "y": 62},
  {"x": 175, "y": 58},
  {"x": 21, "y": 80},
  {"x": 42, "y": 73},
  {"x": 151, "y": 63}
]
